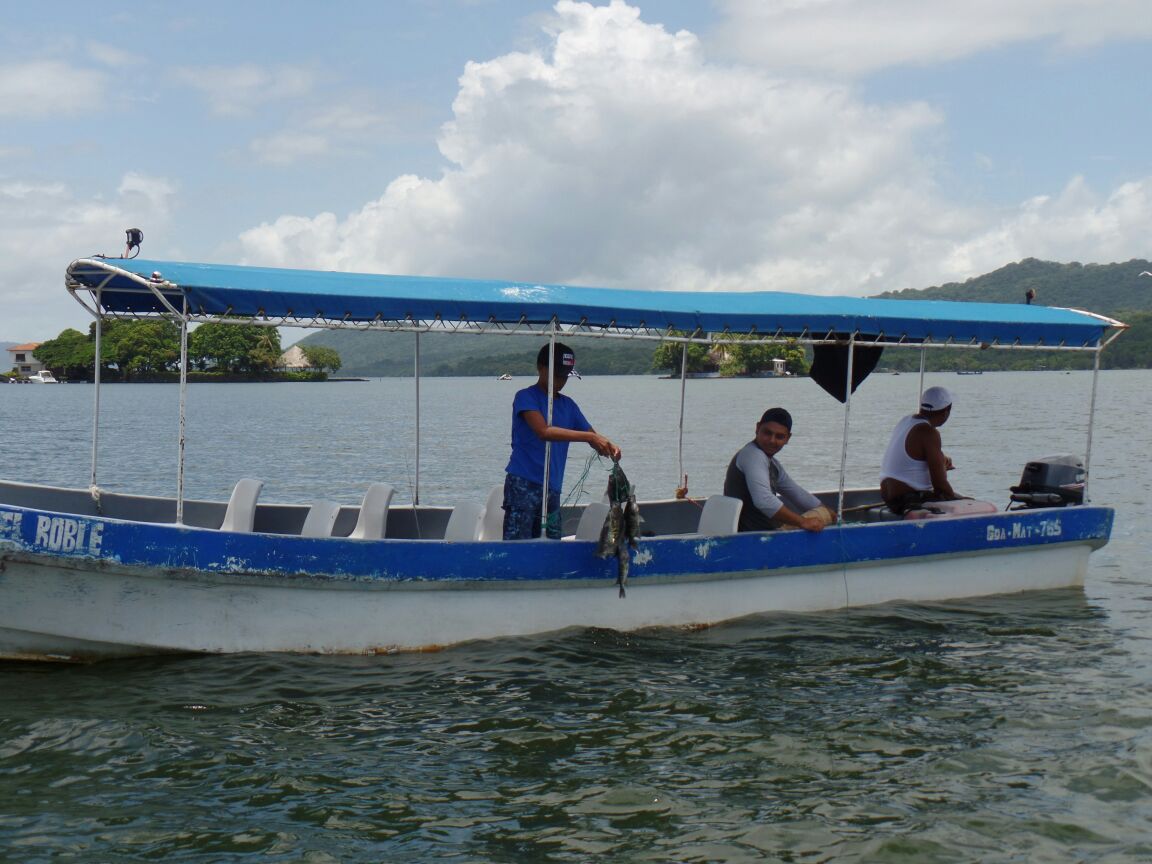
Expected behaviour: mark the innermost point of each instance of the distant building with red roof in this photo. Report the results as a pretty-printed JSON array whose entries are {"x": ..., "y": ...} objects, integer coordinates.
[{"x": 22, "y": 359}]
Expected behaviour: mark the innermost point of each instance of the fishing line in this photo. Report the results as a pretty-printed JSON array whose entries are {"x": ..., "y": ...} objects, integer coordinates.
[
  {"x": 411, "y": 492},
  {"x": 578, "y": 488}
]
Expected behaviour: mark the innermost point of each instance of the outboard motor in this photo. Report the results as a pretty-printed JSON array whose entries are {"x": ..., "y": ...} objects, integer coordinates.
[{"x": 1051, "y": 481}]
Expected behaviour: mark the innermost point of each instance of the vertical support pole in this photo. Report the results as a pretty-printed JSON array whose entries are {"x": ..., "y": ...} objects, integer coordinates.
[
  {"x": 844, "y": 442},
  {"x": 416, "y": 372},
  {"x": 92, "y": 487},
  {"x": 1091, "y": 421},
  {"x": 920, "y": 389},
  {"x": 183, "y": 406},
  {"x": 547, "y": 443},
  {"x": 680, "y": 440}
]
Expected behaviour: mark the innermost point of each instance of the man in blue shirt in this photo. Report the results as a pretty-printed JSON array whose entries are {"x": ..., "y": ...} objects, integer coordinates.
[{"x": 524, "y": 483}]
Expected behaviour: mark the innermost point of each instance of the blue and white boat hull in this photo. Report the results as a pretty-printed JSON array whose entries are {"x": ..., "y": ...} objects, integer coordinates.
[{"x": 82, "y": 587}]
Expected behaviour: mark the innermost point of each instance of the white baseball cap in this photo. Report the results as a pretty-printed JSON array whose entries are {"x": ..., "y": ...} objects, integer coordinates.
[{"x": 935, "y": 399}]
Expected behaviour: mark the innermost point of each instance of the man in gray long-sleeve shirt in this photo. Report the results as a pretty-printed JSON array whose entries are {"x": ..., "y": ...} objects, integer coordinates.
[{"x": 771, "y": 498}]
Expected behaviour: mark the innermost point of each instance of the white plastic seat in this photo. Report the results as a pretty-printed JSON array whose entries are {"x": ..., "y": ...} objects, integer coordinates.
[
  {"x": 240, "y": 514},
  {"x": 320, "y": 519},
  {"x": 493, "y": 524},
  {"x": 591, "y": 521},
  {"x": 373, "y": 519},
  {"x": 720, "y": 515},
  {"x": 465, "y": 522}
]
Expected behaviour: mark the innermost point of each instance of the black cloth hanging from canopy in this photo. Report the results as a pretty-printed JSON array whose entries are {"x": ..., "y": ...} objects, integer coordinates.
[{"x": 830, "y": 366}]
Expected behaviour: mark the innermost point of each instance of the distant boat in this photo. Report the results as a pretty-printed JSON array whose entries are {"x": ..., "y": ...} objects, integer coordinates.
[
  {"x": 43, "y": 377},
  {"x": 505, "y": 377},
  {"x": 969, "y": 371}
]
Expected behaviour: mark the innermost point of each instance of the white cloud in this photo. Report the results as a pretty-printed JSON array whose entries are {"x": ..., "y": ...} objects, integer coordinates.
[
  {"x": 850, "y": 37},
  {"x": 112, "y": 56},
  {"x": 622, "y": 156},
  {"x": 285, "y": 148},
  {"x": 1077, "y": 225},
  {"x": 333, "y": 129},
  {"x": 236, "y": 90},
  {"x": 48, "y": 87},
  {"x": 43, "y": 224}
]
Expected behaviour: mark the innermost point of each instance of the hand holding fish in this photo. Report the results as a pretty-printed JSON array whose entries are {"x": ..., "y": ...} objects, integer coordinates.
[{"x": 604, "y": 447}]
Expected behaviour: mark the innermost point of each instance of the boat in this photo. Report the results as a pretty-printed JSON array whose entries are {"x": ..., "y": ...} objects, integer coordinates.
[
  {"x": 505, "y": 377},
  {"x": 42, "y": 377},
  {"x": 969, "y": 371},
  {"x": 88, "y": 574}
]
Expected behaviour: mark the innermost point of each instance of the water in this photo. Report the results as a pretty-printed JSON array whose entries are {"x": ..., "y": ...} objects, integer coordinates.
[{"x": 1006, "y": 729}]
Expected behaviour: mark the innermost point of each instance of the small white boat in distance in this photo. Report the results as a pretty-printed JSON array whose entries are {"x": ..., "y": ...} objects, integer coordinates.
[{"x": 43, "y": 377}]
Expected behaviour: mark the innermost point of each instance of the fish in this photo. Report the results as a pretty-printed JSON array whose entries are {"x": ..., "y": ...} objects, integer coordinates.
[
  {"x": 623, "y": 559},
  {"x": 610, "y": 533},
  {"x": 622, "y": 527},
  {"x": 632, "y": 521}
]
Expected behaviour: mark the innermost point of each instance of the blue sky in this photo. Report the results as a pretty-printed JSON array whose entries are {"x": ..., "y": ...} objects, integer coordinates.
[{"x": 822, "y": 146}]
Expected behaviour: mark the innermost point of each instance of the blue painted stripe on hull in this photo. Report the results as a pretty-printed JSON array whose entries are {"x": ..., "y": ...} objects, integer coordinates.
[{"x": 168, "y": 548}]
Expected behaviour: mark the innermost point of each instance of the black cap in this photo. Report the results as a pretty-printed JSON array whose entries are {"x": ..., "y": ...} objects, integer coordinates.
[
  {"x": 565, "y": 358},
  {"x": 777, "y": 415}
]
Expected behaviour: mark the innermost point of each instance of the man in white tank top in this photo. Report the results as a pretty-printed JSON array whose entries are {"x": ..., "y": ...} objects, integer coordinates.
[{"x": 915, "y": 467}]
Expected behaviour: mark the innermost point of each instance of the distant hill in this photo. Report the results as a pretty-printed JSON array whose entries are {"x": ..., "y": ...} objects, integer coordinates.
[
  {"x": 1109, "y": 289},
  {"x": 389, "y": 355},
  {"x": 1116, "y": 290}
]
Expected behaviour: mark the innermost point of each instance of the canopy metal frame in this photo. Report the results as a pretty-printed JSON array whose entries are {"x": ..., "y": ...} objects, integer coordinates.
[{"x": 173, "y": 305}]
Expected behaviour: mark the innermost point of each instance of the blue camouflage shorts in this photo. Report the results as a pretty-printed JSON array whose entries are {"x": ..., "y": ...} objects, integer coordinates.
[{"x": 522, "y": 509}]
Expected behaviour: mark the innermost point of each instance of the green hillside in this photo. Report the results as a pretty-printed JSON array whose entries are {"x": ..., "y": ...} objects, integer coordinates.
[
  {"x": 1116, "y": 290},
  {"x": 1109, "y": 289},
  {"x": 391, "y": 354}
]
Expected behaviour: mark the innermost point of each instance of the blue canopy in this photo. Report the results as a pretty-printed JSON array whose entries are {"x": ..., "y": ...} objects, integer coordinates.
[{"x": 315, "y": 298}]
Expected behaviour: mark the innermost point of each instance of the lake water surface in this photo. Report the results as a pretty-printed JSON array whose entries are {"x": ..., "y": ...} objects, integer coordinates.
[{"x": 1006, "y": 729}]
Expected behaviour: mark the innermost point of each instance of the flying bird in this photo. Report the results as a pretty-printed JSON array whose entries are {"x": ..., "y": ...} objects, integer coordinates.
[{"x": 1146, "y": 273}]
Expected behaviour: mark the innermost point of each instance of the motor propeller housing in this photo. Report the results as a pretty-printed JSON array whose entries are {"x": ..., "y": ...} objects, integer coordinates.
[{"x": 1051, "y": 481}]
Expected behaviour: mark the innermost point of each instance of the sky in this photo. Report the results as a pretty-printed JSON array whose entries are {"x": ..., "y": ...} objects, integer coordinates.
[{"x": 818, "y": 146}]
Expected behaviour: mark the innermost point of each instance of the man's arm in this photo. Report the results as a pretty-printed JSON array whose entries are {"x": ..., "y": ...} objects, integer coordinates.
[
  {"x": 544, "y": 432},
  {"x": 754, "y": 466},
  {"x": 797, "y": 501},
  {"x": 793, "y": 494}
]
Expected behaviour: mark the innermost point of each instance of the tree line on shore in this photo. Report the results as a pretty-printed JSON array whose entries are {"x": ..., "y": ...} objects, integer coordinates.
[{"x": 149, "y": 350}]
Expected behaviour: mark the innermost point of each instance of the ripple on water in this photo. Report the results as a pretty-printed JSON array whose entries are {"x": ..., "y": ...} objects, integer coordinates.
[{"x": 992, "y": 730}]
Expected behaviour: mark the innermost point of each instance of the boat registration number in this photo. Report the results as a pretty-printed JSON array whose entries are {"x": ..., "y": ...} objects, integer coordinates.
[{"x": 1019, "y": 531}]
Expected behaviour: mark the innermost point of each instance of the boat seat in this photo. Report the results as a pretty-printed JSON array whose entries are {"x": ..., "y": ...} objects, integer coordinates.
[
  {"x": 465, "y": 522},
  {"x": 492, "y": 527},
  {"x": 591, "y": 521},
  {"x": 720, "y": 515},
  {"x": 373, "y": 519},
  {"x": 240, "y": 515},
  {"x": 320, "y": 519}
]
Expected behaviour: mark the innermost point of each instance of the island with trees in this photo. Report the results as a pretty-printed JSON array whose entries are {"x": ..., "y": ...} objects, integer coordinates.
[{"x": 149, "y": 351}]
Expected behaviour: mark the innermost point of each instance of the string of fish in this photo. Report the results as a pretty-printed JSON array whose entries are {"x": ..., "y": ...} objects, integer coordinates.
[{"x": 621, "y": 529}]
